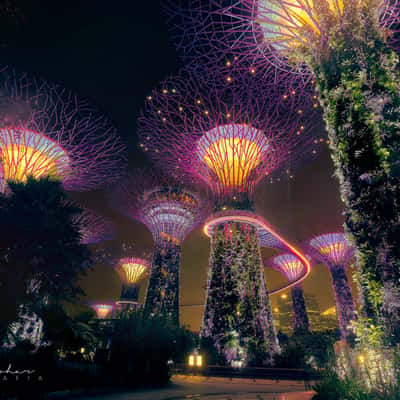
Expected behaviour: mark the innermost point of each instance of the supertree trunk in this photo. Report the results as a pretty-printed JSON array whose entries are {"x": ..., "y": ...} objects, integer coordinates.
[
  {"x": 130, "y": 292},
  {"x": 238, "y": 315},
  {"x": 163, "y": 291},
  {"x": 359, "y": 86},
  {"x": 344, "y": 301},
  {"x": 300, "y": 320}
]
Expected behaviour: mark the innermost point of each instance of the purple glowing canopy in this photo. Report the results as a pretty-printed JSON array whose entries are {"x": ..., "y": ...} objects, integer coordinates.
[
  {"x": 46, "y": 130},
  {"x": 229, "y": 131},
  {"x": 288, "y": 264},
  {"x": 168, "y": 210},
  {"x": 331, "y": 248},
  {"x": 264, "y": 32}
]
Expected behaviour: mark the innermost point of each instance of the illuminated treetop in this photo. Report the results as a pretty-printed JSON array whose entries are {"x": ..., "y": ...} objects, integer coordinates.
[
  {"x": 332, "y": 249},
  {"x": 168, "y": 210},
  {"x": 227, "y": 131},
  {"x": 133, "y": 269},
  {"x": 103, "y": 311},
  {"x": 94, "y": 228},
  {"x": 299, "y": 27},
  {"x": 288, "y": 264},
  {"x": 46, "y": 130}
]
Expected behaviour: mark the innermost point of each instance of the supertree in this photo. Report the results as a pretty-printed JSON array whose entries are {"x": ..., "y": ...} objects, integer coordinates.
[
  {"x": 346, "y": 49},
  {"x": 333, "y": 250},
  {"x": 223, "y": 131},
  {"x": 132, "y": 271},
  {"x": 291, "y": 267},
  {"x": 103, "y": 311},
  {"x": 46, "y": 130},
  {"x": 170, "y": 212},
  {"x": 94, "y": 228},
  {"x": 349, "y": 49}
]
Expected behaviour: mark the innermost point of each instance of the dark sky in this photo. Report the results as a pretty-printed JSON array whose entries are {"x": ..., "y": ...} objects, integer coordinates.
[{"x": 113, "y": 53}]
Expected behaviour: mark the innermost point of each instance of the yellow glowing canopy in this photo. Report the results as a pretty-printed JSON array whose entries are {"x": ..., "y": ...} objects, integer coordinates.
[
  {"x": 233, "y": 152},
  {"x": 134, "y": 269},
  {"x": 24, "y": 153},
  {"x": 288, "y": 22}
]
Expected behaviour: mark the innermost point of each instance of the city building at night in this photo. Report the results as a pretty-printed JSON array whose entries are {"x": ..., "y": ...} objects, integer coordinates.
[
  {"x": 333, "y": 250},
  {"x": 226, "y": 133}
]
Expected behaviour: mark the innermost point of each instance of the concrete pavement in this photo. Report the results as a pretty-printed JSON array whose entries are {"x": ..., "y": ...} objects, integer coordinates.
[{"x": 200, "y": 388}]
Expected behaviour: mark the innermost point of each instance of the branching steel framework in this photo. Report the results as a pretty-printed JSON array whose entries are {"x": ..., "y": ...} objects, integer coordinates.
[
  {"x": 292, "y": 268},
  {"x": 46, "y": 130},
  {"x": 333, "y": 250},
  {"x": 225, "y": 131},
  {"x": 170, "y": 213}
]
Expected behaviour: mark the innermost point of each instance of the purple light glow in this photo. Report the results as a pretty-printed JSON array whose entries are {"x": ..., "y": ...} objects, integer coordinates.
[
  {"x": 228, "y": 134},
  {"x": 47, "y": 131},
  {"x": 332, "y": 249},
  {"x": 168, "y": 211},
  {"x": 289, "y": 265}
]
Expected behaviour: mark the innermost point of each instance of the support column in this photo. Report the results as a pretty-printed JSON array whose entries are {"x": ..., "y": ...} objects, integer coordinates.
[
  {"x": 300, "y": 322},
  {"x": 238, "y": 317},
  {"x": 346, "y": 310},
  {"x": 162, "y": 297}
]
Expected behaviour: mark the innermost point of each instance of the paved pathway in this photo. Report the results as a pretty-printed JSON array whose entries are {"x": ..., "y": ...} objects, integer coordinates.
[{"x": 202, "y": 388}]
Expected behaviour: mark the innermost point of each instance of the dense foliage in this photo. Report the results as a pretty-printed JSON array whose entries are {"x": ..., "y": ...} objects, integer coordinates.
[{"x": 39, "y": 243}]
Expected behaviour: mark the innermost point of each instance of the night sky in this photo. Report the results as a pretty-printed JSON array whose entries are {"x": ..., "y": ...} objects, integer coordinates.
[{"x": 113, "y": 54}]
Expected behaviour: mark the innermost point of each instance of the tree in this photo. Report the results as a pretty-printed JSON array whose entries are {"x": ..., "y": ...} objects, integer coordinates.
[{"x": 38, "y": 242}]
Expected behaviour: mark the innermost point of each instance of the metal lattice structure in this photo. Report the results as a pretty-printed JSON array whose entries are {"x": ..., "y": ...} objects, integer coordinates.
[
  {"x": 46, "y": 130},
  {"x": 292, "y": 268},
  {"x": 332, "y": 249},
  {"x": 94, "y": 227},
  {"x": 266, "y": 34},
  {"x": 132, "y": 271},
  {"x": 224, "y": 131},
  {"x": 170, "y": 212},
  {"x": 227, "y": 131},
  {"x": 335, "y": 251}
]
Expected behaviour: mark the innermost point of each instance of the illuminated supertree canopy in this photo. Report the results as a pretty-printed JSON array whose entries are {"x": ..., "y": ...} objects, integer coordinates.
[
  {"x": 170, "y": 212},
  {"x": 292, "y": 267},
  {"x": 132, "y": 271},
  {"x": 103, "y": 311},
  {"x": 224, "y": 131},
  {"x": 227, "y": 131},
  {"x": 47, "y": 131},
  {"x": 333, "y": 250},
  {"x": 93, "y": 227}
]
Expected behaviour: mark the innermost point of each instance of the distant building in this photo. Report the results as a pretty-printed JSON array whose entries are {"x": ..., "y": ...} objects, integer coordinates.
[
  {"x": 319, "y": 321},
  {"x": 283, "y": 314}
]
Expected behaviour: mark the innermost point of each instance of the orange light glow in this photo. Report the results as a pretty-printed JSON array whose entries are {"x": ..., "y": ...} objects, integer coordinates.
[
  {"x": 191, "y": 360},
  {"x": 289, "y": 22},
  {"x": 232, "y": 152},
  {"x": 134, "y": 269},
  {"x": 24, "y": 153},
  {"x": 102, "y": 310},
  {"x": 338, "y": 247},
  {"x": 284, "y": 296}
]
